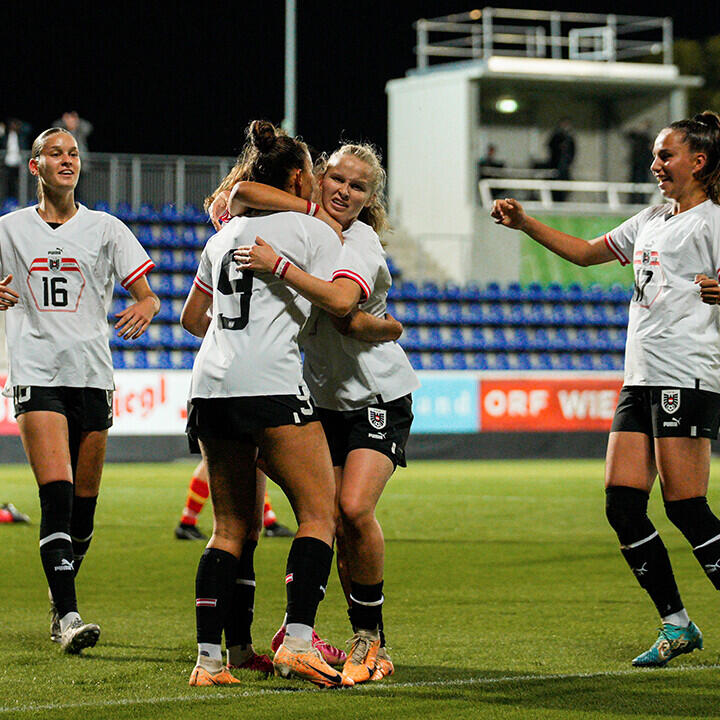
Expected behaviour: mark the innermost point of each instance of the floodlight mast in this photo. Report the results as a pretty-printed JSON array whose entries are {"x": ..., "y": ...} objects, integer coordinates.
[{"x": 288, "y": 122}]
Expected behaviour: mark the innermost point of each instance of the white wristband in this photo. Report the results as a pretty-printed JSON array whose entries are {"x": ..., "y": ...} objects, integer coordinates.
[{"x": 281, "y": 267}]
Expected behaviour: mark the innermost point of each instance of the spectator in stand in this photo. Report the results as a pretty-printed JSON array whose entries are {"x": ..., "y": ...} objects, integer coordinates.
[
  {"x": 13, "y": 140},
  {"x": 641, "y": 158},
  {"x": 80, "y": 128},
  {"x": 487, "y": 165},
  {"x": 561, "y": 147}
]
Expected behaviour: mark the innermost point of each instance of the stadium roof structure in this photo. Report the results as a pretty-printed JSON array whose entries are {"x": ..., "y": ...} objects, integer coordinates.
[{"x": 506, "y": 79}]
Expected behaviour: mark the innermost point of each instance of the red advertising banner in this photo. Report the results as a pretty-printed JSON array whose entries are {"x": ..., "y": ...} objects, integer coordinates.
[
  {"x": 8, "y": 426},
  {"x": 548, "y": 404}
]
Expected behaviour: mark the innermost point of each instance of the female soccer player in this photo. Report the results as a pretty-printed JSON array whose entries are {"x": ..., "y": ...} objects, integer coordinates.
[
  {"x": 65, "y": 259},
  {"x": 669, "y": 407},
  {"x": 363, "y": 391},
  {"x": 248, "y": 396}
]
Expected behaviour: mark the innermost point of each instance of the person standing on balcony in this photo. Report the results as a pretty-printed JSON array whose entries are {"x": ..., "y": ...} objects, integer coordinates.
[
  {"x": 561, "y": 147},
  {"x": 669, "y": 407}
]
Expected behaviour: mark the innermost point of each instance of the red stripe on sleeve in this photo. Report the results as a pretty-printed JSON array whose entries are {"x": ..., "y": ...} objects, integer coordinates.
[
  {"x": 357, "y": 278},
  {"x": 146, "y": 267},
  {"x": 200, "y": 285},
  {"x": 615, "y": 250}
]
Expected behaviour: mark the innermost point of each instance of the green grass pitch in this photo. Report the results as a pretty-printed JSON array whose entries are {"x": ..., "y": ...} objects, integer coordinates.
[{"x": 506, "y": 598}]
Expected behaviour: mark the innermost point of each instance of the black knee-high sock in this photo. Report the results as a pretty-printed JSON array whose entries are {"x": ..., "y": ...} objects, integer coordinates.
[
  {"x": 642, "y": 547},
  {"x": 56, "y": 552},
  {"x": 242, "y": 605},
  {"x": 696, "y": 521},
  {"x": 81, "y": 527},
  {"x": 308, "y": 570},
  {"x": 214, "y": 583},
  {"x": 366, "y": 606}
]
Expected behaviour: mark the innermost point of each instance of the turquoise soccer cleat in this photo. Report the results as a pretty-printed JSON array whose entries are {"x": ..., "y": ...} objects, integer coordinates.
[{"x": 672, "y": 641}]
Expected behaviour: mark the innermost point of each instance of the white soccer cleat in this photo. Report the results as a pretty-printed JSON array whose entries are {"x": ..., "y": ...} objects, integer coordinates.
[{"x": 79, "y": 635}]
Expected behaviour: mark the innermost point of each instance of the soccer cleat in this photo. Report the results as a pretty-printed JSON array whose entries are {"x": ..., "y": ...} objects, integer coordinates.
[
  {"x": 278, "y": 530},
  {"x": 201, "y": 677},
  {"x": 15, "y": 515},
  {"x": 79, "y": 635},
  {"x": 360, "y": 664},
  {"x": 188, "y": 532},
  {"x": 672, "y": 641},
  {"x": 307, "y": 664},
  {"x": 55, "y": 629},
  {"x": 383, "y": 665},
  {"x": 256, "y": 663},
  {"x": 330, "y": 654}
]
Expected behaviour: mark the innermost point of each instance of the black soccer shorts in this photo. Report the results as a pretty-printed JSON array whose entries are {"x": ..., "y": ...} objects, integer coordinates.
[
  {"x": 86, "y": 409},
  {"x": 383, "y": 427},
  {"x": 667, "y": 412},
  {"x": 235, "y": 418}
]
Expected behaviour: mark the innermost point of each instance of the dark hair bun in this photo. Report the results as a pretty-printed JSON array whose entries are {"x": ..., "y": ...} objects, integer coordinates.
[
  {"x": 263, "y": 135},
  {"x": 709, "y": 118}
]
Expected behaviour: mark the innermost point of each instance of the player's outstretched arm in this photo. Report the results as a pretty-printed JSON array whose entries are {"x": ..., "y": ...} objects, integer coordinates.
[
  {"x": 8, "y": 297},
  {"x": 246, "y": 194},
  {"x": 194, "y": 316},
  {"x": 134, "y": 319},
  {"x": 509, "y": 212},
  {"x": 338, "y": 297},
  {"x": 368, "y": 328}
]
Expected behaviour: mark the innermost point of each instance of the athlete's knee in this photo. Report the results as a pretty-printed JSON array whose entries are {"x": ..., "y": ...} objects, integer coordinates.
[
  {"x": 626, "y": 511},
  {"x": 694, "y": 518},
  {"x": 356, "y": 512}
]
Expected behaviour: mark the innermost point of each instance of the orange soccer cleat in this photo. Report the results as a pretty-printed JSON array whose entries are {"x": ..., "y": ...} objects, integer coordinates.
[
  {"x": 202, "y": 677},
  {"x": 295, "y": 658},
  {"x": 360, "y": 664}
]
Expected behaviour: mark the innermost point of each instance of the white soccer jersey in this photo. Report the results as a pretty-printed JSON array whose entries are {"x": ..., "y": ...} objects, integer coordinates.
[
  {"x": 251, "y": 346},
  {"x": 347, "y": 374},
  {"x": 673, "y": 337},
  {"x": 57, "y": 334}
]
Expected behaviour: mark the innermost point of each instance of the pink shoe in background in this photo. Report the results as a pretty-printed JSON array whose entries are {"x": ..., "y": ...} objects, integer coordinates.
[{"x": 331, "y": 655}]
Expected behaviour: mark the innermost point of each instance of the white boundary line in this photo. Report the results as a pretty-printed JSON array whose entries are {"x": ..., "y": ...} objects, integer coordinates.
[{"x": 222, "y": 694}]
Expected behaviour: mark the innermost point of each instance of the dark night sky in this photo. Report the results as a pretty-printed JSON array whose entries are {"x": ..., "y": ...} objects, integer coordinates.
[{"x": 187, "y": 78}]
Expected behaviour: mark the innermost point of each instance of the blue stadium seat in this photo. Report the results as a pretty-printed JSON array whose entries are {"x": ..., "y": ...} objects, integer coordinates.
[
  {"x": 408, "y": 290},
  {"x": 456, "y": 361},
  {"x": 162, "y": 284},
  {"x": 415, "y": 360},
  {"x": 428, "y": 313},
  {"x": 169, "y": 213},
  {"x": 9, "y": 205},
  {"x": 437, "y": 362},
  {"x": 118, "y": 359},
  {"x": 471, "y": 313},
  {"x": 452, "y": 291},
  {"x": 450, "y": 313},
  {"x": 192, "y": 214},
  {"x": 146, "y": 237},
  {"x": 124, "y": 212},
  {"x": 148, "y": 213},
  {"x": 472, "y": 291},
  {"x": 169, "y": 237},
  {"x": 430, "y": 291},
  {"x": 492, "y": 292}
]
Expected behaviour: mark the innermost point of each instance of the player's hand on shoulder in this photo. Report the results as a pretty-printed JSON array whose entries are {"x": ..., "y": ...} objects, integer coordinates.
[
  {"x": 260, "y": 256},
  {"x": 218, "y": 210},
  {"x": 134, "y": 319},
  {"x": 508, "y": 212},
  {"x": 8, "y": 297},
  {"x": 709, "y": 289}
]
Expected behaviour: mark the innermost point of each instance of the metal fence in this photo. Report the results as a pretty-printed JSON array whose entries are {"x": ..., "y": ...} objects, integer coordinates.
[
  {"x": 138, "y": 179},
  {"x": 479, "y": 34}
]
